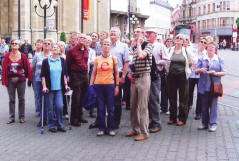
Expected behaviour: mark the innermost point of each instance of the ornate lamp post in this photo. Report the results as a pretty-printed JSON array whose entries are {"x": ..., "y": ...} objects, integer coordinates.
[
  {"x": 134, "y": 21},
  {"x": 45, "y": 5}
]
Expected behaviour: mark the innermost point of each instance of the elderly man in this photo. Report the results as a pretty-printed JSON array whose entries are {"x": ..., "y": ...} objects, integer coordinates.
[
  {"x": 140, "y": 86},
  {"x": 77, "y": 66},
  {"x": 156, "y": 68},
  {"x": 121, "y": 52}
]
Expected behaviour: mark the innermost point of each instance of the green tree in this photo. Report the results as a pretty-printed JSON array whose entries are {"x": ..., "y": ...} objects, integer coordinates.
[
  {"x": 63, "y": 37},
  {"x": 237, "y": 22}
]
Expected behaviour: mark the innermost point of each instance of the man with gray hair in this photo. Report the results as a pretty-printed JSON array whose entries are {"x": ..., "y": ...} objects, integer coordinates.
[{"x": 121, "y": 51}]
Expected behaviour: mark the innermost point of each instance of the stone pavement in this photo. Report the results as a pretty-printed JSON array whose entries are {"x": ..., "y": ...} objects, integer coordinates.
[{"x": 23, "y": 142}]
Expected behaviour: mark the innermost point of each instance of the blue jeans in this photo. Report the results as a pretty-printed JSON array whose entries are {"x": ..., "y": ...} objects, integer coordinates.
[
  {"x": 37, "y": 87},
  {"x": 209, "y": 109},
  {"x": 105, "y": 98},
  {"x": 55, "y": 109}
]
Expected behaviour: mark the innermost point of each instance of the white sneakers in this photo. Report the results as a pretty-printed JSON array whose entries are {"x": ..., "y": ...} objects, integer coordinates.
[
  {"x": 212, "y": 128},
  {"x": 101, "y": 133}
]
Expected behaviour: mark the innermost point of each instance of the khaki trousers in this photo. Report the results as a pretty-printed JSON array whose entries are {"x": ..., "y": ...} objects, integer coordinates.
[{"x": 139, "y": 103}]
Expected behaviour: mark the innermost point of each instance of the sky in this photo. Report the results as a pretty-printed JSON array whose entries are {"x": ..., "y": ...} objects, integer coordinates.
[{"x": 174, "y": 2}]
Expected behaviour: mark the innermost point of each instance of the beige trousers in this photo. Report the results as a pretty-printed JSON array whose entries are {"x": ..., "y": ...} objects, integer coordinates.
[{"x": 139, "y": 104}]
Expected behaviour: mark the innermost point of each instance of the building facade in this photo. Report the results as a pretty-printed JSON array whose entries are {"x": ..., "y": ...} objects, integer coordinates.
[
  {"x": 129, "y": 14},
  {"x": 160, "y": 17},
  {"x": 67, "y": 18},
  {"x": 211, "y": 17}
]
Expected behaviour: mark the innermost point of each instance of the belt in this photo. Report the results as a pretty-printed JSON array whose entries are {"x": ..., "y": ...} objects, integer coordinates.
[{"x": 140, "y": 75}]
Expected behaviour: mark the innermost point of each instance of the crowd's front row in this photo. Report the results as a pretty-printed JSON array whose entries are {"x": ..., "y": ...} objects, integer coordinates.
[{"x": 143, "y": 69}]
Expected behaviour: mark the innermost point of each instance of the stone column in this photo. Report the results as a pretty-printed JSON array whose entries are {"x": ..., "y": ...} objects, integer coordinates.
[
  {"x": 25, "y": 19},
  {"x": 103, "y": 17}
]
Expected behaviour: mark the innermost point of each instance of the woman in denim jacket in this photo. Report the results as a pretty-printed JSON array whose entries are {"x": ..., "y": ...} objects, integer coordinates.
[{"x": 211, "y": 69}]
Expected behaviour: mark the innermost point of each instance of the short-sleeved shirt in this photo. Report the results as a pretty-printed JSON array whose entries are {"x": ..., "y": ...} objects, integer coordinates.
[
  {"x": 105, "y": 70},
  {"x": 216, "y": 64},
  {"x": 121, "y": 52},
  {"x": 142, "y": 65},
  {"x": 37, "y": 63},
  {"x": 55, "y": 73}
]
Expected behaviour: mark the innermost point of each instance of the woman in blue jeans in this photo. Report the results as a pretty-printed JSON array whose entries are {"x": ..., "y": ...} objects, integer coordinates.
[
  {"x": 53, "y": 75},
  {"x": 105, "y": 78},
  {"x": 211, "y": 69}
]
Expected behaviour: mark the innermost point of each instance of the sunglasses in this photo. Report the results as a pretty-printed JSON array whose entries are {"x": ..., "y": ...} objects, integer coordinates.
[
  {"x": 14, "y": 43},
  {"x": 203, "y": 42}
]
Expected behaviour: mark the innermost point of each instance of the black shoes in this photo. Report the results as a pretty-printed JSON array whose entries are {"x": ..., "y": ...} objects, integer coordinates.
[
  {"x": 53, "y": 130},
  {"x": 61, "y": 129},
  {"x": 11, "y": 121},
  {"x": 93, "y": 125},
  {"x": 83, "y": 121},
  {"x": 197, "y": 117},
  {"x": 154, "y": 129}
]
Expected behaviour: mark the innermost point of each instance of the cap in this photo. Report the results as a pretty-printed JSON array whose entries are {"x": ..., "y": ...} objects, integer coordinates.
[{"x": 151, "y": 30}]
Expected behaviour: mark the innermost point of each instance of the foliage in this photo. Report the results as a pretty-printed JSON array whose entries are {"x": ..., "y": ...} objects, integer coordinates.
[{"x": 63, "y": 37}]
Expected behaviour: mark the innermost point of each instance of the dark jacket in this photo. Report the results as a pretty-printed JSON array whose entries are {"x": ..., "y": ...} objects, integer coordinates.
[{"x": 45, "y": 72}]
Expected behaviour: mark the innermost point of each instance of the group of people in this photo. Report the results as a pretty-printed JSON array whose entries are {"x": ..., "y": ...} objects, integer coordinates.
[{"x": 145, "y": 74}]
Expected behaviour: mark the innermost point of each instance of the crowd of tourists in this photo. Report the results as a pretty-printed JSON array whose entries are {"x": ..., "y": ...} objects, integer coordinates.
[{"x": 145, "y": 75}]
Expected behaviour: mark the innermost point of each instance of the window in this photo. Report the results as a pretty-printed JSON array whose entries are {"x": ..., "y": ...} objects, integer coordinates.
[
  {"x": 204, "y": 9},
  {"x": 213, "y": 7},
  {"x": 204, "y": 24},
  {"x": 224, "y": 6},
  {"x": 228, "y": 5},
  {"x": 199, "y": 10},
  {"x": 209, "y": 8}
]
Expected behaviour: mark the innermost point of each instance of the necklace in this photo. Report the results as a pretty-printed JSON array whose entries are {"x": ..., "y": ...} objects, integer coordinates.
[{"x": 15, "y": 56}]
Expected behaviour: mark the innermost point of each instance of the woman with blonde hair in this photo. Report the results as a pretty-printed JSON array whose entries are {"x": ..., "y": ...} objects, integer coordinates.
[
  {"x": 105, "y": 79},
  {"x": 178, "y": 75},
  {"x": 211, "y": 69}
]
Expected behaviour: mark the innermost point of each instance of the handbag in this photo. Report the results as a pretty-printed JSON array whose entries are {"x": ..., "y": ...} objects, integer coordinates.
[{"x": 216, "y": 89}]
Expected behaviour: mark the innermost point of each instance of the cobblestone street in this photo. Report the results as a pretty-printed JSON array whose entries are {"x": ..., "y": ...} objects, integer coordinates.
[{"x": 23, "y": 142}]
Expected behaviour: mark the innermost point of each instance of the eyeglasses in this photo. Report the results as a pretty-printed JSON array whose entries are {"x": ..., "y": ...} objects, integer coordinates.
[
  {"x": 45, "y": 43},
  {"x": 14, "y": 43},
  {"x": 106, "y": 44},
  {"x": 137, "y": 31},
  {"x": 179, "y": 38}
]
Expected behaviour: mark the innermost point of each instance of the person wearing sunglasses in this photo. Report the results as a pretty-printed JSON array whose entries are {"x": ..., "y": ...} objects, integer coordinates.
[
  {"x": 105, "y": 80},
  {"x": 54, "y": 80},
  {"x": 211, "y": 69},
  {"x": 43, "y": 51},
  {"x": 16, "y": 70},
  {"x": 178, "y": 75}
]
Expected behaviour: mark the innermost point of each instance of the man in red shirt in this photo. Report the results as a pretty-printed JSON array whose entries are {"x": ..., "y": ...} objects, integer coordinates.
[{"x": 77, "y": 59}]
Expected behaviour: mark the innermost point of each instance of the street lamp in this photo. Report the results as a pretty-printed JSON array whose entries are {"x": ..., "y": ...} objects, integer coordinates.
[
  {"x": 45, "y": 5},
  {"x": 132, "y": 20}
]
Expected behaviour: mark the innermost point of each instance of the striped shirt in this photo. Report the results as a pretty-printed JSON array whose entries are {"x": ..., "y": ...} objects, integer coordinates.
[{"x": 143, "y": 65}]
